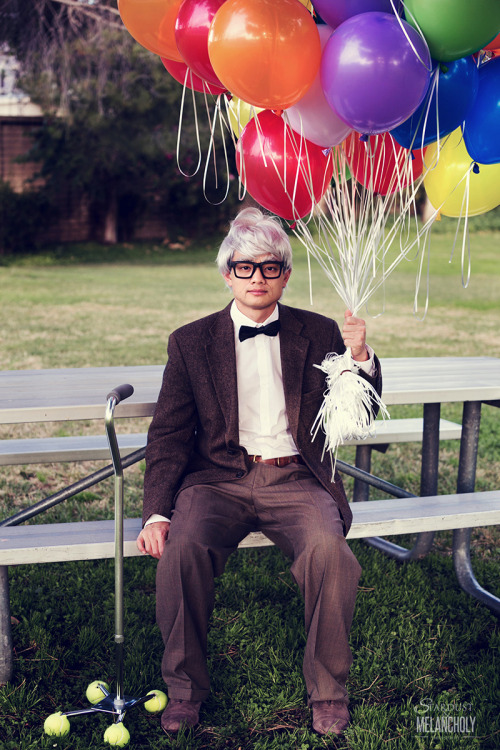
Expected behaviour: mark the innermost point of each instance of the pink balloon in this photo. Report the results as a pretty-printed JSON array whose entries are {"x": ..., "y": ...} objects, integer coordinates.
[
  {"x": 178, "y": 71},
  {"x": 312, "y": 116},
  {"x": 191, "y": 36}
]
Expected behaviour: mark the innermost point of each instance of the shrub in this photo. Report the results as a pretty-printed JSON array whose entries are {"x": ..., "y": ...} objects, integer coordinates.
[{"x": 22, "y": 216}]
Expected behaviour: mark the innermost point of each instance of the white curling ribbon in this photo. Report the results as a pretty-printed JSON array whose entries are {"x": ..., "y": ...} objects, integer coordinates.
[{"x": 346, "y": 412}]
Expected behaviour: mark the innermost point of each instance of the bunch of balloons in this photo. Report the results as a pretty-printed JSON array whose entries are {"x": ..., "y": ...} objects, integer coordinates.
[{"x": 313, "y": 79}]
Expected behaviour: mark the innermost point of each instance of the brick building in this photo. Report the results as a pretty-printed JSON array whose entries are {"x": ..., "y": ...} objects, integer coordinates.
[{"x": 19, "y": 117}]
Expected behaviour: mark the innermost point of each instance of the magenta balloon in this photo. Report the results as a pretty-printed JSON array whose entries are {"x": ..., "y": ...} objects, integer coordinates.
[
  {"x": 374, "y": 72},
  {"x": 335, "y": 12},
  {"x": 191, "y": 36},
  {"x": 178, "y": 71},
  {"x": 312, "y": 116},
  {"x": 284, "y": 173}
]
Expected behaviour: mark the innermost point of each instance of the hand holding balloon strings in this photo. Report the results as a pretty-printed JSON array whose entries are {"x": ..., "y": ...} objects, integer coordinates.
[{"x": 354, "y": 335}]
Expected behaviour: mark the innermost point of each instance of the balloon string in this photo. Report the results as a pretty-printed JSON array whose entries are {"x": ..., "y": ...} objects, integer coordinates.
[
  {"x": 352, "y": 245},
  {"x": 307, "y": 175},
  {"x": 425, "y": 230},
  {"x": 227, "y": 124},
  {"x": 212, "y": 151},
  {"x": 436, "y": 81},
  {"x": 424, "y": 115},
  {"x": 285, "y": 162},
  {"x": 426, "y": 250},
  {"x": 465, "y": 233},
  {"x": 415, "y": 23},
  {"x": 227, "y": 120},
  {"x": 440, "y": 143},
  {"x": 350, "y": 238},
  {"x": 309, "y": 270},
  {"x": 466, "y": 236},
  {"x": 260, "y": 136},
  {"x": 179, "y": 129}
]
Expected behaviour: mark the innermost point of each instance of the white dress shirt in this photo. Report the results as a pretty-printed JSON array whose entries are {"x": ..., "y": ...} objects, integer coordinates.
[{"x": 263, "y": 422}]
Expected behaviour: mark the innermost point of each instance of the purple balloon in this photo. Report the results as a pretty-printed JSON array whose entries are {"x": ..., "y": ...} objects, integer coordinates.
[
  {"x": 335, "y": 12},
  {"x": 375, "y": 71}
]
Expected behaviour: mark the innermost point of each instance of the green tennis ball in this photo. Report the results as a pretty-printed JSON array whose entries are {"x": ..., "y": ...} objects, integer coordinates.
[
  {"x": 56, "y": 725},
  {"x": 117, "y": 735},
  {"x": 94, "y": 693},
  {"x": 157, "y": 702}
]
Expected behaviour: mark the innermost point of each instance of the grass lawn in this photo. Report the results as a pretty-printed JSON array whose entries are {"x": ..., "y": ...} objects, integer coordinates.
[{"x": 422, "y": 648}]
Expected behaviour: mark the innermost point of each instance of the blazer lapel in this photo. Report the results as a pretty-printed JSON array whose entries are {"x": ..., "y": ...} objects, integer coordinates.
[
  {"x": 221, "y": 358},
  {"x": 293, "y": 349}
]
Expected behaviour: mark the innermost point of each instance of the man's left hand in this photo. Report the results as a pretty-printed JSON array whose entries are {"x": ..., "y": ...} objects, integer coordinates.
[{"x": 354, "y": 335}]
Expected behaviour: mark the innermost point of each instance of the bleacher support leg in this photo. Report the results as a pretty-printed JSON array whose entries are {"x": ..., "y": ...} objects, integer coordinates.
[
  {"x": 6, "y": 653},
  {"x": 466, "y": 483}
]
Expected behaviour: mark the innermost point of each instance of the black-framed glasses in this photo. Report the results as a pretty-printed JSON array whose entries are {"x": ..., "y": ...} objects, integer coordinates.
[{"x": 245, "y": 269}]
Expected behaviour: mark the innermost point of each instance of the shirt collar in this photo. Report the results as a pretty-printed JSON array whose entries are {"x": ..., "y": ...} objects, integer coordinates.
[{"x": 241, "y": 320}]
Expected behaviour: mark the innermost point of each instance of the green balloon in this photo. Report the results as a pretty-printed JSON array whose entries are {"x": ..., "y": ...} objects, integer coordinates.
[{"x": 455, "y": 28}]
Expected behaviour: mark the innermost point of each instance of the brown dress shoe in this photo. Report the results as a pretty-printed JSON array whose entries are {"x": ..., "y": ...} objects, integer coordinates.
[
  {"x": 180, "y": 714},
  {"x": 330, "y": 717}
]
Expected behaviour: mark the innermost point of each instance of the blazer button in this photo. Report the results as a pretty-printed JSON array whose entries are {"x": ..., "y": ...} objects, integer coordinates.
[
  {"x": 240, "y": 474},
  {"x": 231, "y": 452}
]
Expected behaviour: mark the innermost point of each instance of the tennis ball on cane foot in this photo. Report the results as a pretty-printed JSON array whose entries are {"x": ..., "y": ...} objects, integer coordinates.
[
  {"x": 117, "y": 735},
  {"x": 157, "y": 702},
  {"x": 56, "y": 725},
  {"x": 94, "y": 693}
]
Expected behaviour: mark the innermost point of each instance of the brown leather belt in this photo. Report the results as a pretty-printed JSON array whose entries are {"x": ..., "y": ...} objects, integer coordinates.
[{"x": 280, "y": 461}]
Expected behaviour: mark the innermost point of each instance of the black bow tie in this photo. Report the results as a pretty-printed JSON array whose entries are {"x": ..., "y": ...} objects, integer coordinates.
[{"x": 248, "y": 332}]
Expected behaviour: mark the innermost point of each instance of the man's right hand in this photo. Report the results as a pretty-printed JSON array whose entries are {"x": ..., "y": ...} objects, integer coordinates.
[{"x": 151, "y": 540}]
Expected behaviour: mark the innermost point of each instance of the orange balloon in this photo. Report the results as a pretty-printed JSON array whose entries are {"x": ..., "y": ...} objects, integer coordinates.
[
  {"x": 152, "y": 24},
  {"x": 266, "y": 52}
]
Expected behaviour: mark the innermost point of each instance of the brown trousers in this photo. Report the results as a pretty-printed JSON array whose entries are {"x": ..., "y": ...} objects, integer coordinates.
[{"x": 290, "y": 506}]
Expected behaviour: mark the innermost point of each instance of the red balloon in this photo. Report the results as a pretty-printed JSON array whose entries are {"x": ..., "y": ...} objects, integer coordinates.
[
  {"x": 494, "y": 44},
  {"x": 283, "y": 172},
  {"x": 191, "y": 36},
  {"x": 178, "y": 71},
  {"x": 381, "y": 164}
]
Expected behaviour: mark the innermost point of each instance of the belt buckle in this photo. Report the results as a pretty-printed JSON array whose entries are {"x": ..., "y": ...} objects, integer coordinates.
[{"x": 278, "y": 462}]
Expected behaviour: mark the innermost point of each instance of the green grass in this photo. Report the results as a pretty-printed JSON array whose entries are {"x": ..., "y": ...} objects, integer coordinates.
[
  {"x": 79, "y": 314},
  {"x": 418, "y": 640}
]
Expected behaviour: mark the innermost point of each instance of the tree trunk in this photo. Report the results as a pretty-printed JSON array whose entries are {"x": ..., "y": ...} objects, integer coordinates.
[{"x": 110, "y": 229}]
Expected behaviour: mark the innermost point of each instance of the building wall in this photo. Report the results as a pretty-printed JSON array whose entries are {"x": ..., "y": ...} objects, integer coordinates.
[
  {"x": 19, "y": 117},
  {"x": 73, "y": 223},
  {"x": 15, "y": 141}
]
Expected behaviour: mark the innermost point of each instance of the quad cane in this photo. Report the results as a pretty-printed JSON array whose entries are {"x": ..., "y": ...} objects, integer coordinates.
[{"x": 98, "y": 692}]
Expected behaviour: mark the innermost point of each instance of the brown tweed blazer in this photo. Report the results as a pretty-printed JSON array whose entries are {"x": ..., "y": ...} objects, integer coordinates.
[{"x": 193, "y": 437}]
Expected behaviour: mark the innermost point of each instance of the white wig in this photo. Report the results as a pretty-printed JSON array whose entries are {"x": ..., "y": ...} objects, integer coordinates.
[{"x": 254, "y": 233}]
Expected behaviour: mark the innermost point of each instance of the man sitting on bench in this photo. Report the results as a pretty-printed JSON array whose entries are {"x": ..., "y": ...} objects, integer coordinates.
[{"x": 230, "y": 452}]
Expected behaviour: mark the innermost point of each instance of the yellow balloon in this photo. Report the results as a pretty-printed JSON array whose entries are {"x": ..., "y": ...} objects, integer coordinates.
[
  {"x": 240, "y": 114},
  {"x": 444, "y": 184}
]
